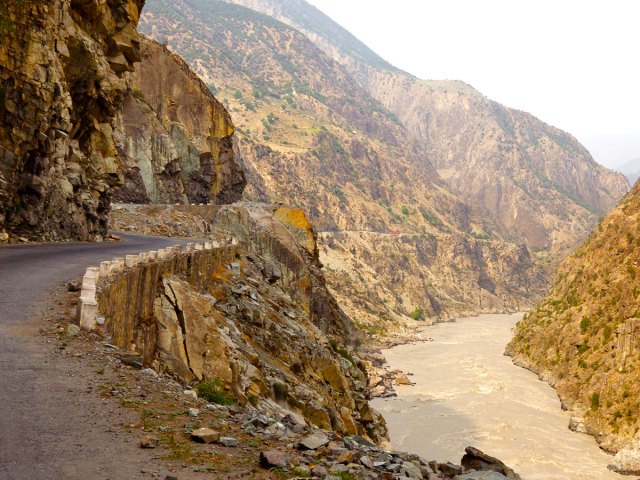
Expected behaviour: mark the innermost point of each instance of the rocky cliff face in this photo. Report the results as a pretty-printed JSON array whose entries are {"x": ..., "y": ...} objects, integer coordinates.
[
  {"x": 583, "y": 338},
  {"x": 257, "y": 317},
  {"x": 62, "y": 68},
  {"x": 529, "y": 177},
  {"x": 175, "y": 139}
]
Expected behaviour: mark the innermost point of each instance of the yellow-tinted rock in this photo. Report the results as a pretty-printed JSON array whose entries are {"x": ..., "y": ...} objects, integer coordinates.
[{"x": 298, "y": 223}]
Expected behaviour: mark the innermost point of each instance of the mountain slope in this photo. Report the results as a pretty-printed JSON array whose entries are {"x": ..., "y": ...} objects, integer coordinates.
[
  {"x": 631, "y": 170},
  {"x": 313, "y": 137},
  {"x": 583, "y": 337},
  {"x": 530, "y": 177}
]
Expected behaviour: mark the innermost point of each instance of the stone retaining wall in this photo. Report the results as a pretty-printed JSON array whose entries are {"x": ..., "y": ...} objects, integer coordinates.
[{"x": 117, "y": 297}]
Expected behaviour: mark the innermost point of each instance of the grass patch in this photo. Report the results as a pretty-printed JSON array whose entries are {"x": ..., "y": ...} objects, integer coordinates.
[{"x": 212, "y": 391}]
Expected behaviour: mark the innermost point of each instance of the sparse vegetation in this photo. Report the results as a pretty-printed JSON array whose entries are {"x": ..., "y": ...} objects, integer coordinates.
[
  {"x": 340, "y": 350},
  {"x": 417, "y": 314},
  {"x": 212, "y": 391}
]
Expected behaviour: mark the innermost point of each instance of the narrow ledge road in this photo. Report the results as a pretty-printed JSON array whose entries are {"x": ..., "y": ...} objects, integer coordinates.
[{"x": 53, "y": 424}]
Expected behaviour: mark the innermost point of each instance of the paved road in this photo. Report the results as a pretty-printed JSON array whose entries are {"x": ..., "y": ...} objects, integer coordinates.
[{"x": 52, "y": 425}]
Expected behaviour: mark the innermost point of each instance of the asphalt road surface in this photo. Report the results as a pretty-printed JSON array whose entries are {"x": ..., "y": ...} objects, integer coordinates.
[{"x": 53, "y": 425}]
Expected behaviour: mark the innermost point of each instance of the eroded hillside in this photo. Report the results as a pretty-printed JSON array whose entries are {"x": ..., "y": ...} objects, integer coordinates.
[
  {"x": 314, "y": 138},
  {"x": 536, "y": 182},
  {"x": 583, "y": 337}
]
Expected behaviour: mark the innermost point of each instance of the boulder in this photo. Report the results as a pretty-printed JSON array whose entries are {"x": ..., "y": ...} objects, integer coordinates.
[
  {"x": 484, "y": 475},
  {"x": 149, "y": 442},
  {"x": 205, "y": 435},
  {"x": 271, "y": 272},
  {"x": 274, "y": 459},
  {"x": 313, "y": 441},
  {"x": 627, "y": 460},
  {"x": 228, "y": 442},
  {"x": 450, "y": 469},
  {"x": 475, "y": 459}
]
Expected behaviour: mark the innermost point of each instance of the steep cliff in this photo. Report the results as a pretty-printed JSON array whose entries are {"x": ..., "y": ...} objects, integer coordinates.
[
  {"x": 538, "y": 184},
  {"x": 314, "y": 138},
  {"x": 257, "y": 317},
  {"x": 62, "y": 68},
  {"x": 583, "y": 338},
  {"x": 175, "y": 139}
]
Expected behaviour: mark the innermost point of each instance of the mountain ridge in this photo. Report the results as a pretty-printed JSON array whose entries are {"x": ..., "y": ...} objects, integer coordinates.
[
  {"x": 312, "y": 137},
  {"x": 425, "y": 106}
]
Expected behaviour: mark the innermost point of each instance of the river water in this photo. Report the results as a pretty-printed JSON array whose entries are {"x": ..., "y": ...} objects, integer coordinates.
[{"x": 467, "y": 392}]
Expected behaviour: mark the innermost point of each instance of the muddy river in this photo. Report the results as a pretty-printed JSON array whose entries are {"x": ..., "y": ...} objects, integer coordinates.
[{"x": 467, "y": 392}]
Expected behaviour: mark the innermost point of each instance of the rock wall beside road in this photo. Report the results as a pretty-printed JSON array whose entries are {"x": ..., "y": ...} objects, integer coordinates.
[
  {"x": 62, "y": 69},
  {"x": 176, "y": 141},
  {"x": 254, "y": 315}
]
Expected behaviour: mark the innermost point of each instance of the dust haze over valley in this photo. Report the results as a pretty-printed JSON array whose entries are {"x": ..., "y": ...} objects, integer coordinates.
[{"x": 325, "y": 183}]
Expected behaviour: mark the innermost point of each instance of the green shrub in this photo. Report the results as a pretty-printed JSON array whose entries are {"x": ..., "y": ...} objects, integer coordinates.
[
  {"x": 342, "y": 351},
  {"x": 584, "y": 324},
  {"x": 607, "y": 333},
  {"x": 212, "y": 391},
  {"x": 417, "y": 314},
  {"x": 344, "y": 475},
  {"x": 595, "y": 401}
]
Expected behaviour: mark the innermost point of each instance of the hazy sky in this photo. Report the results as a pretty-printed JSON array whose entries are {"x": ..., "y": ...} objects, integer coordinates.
[{"x": 574, "y": 64}]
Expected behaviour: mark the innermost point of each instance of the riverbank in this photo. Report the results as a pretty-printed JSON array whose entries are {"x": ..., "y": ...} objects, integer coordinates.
[{"x": 467, "y": 392}]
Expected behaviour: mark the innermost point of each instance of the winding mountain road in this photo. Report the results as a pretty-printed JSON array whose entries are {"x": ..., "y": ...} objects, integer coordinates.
[{"x": 53, "y": 424}]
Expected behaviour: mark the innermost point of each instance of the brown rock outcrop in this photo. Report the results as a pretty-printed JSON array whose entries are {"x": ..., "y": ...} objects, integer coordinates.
[
  {"x": 175, "y": 139},
  {"x": 221, "y": 314},
  {"x": 62, "y": 66}
]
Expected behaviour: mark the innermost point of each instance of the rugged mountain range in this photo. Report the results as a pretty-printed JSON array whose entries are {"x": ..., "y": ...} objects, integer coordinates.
[
  {"x": 314, "y": 133},
  {"x": 530, "y": 177},
  {"x": 584, "y": 336}
]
